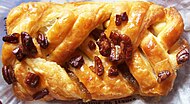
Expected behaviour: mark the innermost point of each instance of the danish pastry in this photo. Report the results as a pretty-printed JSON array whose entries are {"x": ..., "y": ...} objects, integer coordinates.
[{"x": 92, "y": 50}]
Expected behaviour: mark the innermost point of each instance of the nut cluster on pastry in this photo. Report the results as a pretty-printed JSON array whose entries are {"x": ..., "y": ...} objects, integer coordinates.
[{"x": 92, "y": 50}]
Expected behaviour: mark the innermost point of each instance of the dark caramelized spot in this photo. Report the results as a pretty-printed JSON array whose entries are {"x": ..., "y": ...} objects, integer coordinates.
[
  {"x": 104, "y": 45},
  {"x": 96, "y": 33},
  {"x": 115, "y": 37},
  {"x": 76, "y": 61},
  {"x": 8, "y": 74},
  {"x": 91, "y": 45},
  {"x": 163, "y": 75},
  {"x": 18, "y": 52},
  {"x": 66, "y": 66},
  {"x": 32, "y": 80},
  {"x": 122, "y": 66},
  {"x": 42, "y": 40},
  {"x": 40, "y": 94},
  {"x": 124, "y": 69},
  {"x": 124, "y": 16},
  {"x": 99, "y": 68},
  {"x": 84, "y": 91},
  {"x": 183, "y": 56},
  {"x": 113, "y": 71},
  {"x": 28, "y": 46},
  {"x": 86, "y": 94},
  {"x": 118, "y": 20},
  {"x": 13, "y": 38}
]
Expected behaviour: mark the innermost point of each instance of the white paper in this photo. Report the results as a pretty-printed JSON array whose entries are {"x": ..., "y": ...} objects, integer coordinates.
[{"x": 179, "y": 95}]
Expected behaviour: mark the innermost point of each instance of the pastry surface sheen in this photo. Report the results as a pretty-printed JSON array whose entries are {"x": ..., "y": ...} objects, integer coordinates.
[{"x": 92, "y": 50}]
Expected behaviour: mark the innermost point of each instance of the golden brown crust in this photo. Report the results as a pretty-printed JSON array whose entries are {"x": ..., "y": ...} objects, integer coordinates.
[{"x": 154, "y": 32}]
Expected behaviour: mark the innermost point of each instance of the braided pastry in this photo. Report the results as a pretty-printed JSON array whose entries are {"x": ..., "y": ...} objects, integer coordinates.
[{"x": 92, "y": 50}]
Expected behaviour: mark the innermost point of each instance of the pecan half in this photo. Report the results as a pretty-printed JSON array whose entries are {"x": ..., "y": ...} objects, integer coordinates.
[
  {"x": 18, "y": 52},
  {"x": 113, "y": 71},
  {"x": 42, "y": 40},
  {"x": 122, "y": 48},
  {"x": 96, "y": 33},
  {"x": 32, "y": 80},
  {"x": 118, "y": 20},
  {"x": 183, "y": 56},
  {"x": 91, "y": 45},
  {"x": 104, "y": 45},
  {"x": 124, "y": 16},
  {"x": 8, "y": 74},
  {"x": 115, "y": 37},
  {"x": 13, "y": 38},
  {"x": 127, "y": 47},
  {"x": 163, "y": 75},
  {"x": 28, "y": 46},
  {"x": 40, "y": 94},
  {"x": 76, "y": 61},
  {"x": 98, "y": 68}
]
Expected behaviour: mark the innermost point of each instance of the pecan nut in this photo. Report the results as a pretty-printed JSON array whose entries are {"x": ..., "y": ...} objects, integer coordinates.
[
  {"x": 115, "y": 55},
  {"x": 127, "y": 47},
  {"x": 183, "y": 56},
  {"x": 91, "y": 45},
  {"x": 96, "y": 33},
  {"x": 104, "y": 45},
  {"x": 115, "y": 37},
  {"x": 13, "y": 38},
  {"x": 122, "y": 48},
  {"x": 28, "y": 46},
  {"x": 98, "y": 68},
  {"x": 76, "y": 61},
  {"x": 8, "y": 74},
  {"x": 40, "y": 94},
  {"x": 32, "y": 80},
  {"x": 18, "y": 52},
  {"x": 163, "y": 75},
  {"x": 118, "y": 20},
  {"x": 124, "y": 16},
  {"x": 42, "y": 40},
  {"x": 113, "y": 71}
]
